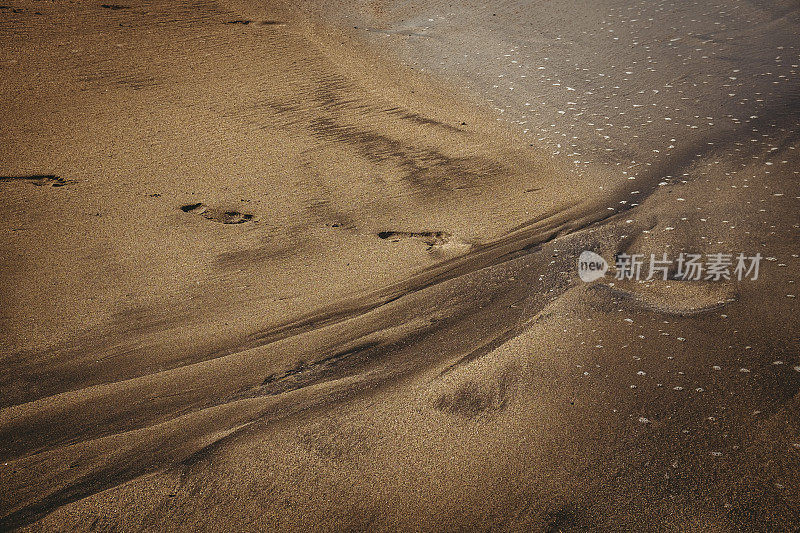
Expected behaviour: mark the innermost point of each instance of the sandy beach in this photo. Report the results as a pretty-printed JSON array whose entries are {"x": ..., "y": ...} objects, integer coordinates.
[{"x": 314, "y": 266}]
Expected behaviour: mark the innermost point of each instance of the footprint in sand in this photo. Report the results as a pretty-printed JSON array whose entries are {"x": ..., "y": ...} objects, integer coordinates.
[
  {"x": 39, "y": 180},
  {"x": 437, "y": 241},
  {"x": 216, "y": 214},
  {"x": 247, "y": 22}
]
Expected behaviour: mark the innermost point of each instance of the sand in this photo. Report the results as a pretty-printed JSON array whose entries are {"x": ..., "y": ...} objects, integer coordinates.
[{"x": 313, "y": 267}]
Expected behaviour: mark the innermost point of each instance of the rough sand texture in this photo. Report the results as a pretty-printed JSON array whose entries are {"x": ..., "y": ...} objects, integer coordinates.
[{"x": 314, "y": 267}]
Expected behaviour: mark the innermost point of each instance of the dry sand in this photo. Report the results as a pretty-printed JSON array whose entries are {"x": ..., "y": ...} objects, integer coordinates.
[{"x": 313, "y": 267}]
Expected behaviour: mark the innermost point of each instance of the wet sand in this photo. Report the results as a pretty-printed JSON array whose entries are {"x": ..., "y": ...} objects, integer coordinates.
[{"x": 315, "y": 268}]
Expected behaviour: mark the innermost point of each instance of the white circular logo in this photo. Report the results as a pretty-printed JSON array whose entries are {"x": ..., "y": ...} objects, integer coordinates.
[{"x": 591, "y": 266}]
